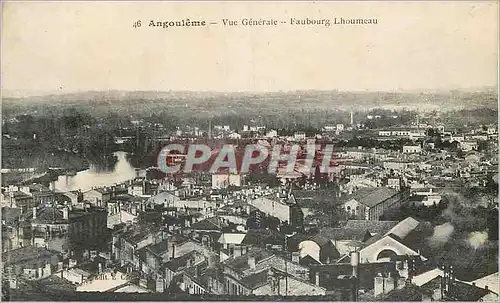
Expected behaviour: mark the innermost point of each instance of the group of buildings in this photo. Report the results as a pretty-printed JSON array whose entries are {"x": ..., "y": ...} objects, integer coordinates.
[{"x": 232, "y": 237}]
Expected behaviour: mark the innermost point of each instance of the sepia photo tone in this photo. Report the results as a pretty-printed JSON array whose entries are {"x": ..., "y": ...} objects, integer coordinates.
[{"x": 249, "y": 151}]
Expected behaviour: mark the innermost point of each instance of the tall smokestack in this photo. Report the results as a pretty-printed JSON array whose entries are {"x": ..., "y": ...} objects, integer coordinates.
[
  {"x": 65, "y": 213},
  {"x": 251, "y": 262},
  {"x": 209, "y": 129},
  {"x": 355, "y": 274},
  {"x": 352, "y": 118},
  {"x": 355, "y": 263},
  {"x": 34, "y": 212}
]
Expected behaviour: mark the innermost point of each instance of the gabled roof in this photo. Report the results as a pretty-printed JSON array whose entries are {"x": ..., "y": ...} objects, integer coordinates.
[
  {"x": 231, "y": 238},
  {"x": 458, "y": 290},
  {"x": 409, "y": 293},
  {"x": 334, "y": 233},
  {"x": 308, "y": 261},
  {"x": 404, "y": 228},
  {"x": 158, "y": 248},
  {"x": 329, "y": 273},
  {"x": 49, "y": 214},
  {"x": 373, "y": 227},
  {"x": 492, "y": 281},
  {"x": 29, "y": 255},
  {"x": 256, "y": 280},
  {"x": 427, "y": 276},
  {"x": 261, "y": 278},
  {"x": 137, "y": 234},
  {"x": 181, "y": 262},
  {"x": 373, "y": 196},
  {"x": 213, "y": 223},
  {"x": 240, "y": 263}
]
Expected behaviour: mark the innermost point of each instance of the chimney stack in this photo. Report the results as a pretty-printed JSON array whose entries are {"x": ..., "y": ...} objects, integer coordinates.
[
  {"x": 173, "y": 251},
  {"x": 355, "y": 263},
  {"x": 296, "y": 257},
  {"x": 34, "y": 212},
  {"x": 251, "y": 262},
  {"x": 316, "y": 280},
  {"x": 65, "y": 212},
  {"x": 355, "y": 273}
]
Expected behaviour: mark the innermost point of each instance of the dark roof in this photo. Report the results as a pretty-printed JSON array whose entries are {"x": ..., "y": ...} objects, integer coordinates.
[
  {"x": 342, "y": 233},
  {"x": 373, "y": 196},
  {"x": 261, "y": 237},
  {"x": 240, "y": 263},
  {"x": 29, "y": 255},
  {"x": 181, "y": 262},
  {"x": 256, "y": 280},
  {"x": 458, "y": 291},
  {"x": 158, "y": 248},
  {"x": 135, "y": 235},
  {"x": 374, "y": 227},
  {"x": 213, "y": 223},
  {"x": 329, "y": 274},
  {"x": 56, "y": 283},
  {"x": 328, "y": 250},
  {"x": 308, "y": 261},
  {"x": 38, "y": 187},
  {"x": 409, "y": 292},
  {"x": 417, "y": 239},
  {"x": 307, "y": 198},
  {"x": 198, "y": 273}
]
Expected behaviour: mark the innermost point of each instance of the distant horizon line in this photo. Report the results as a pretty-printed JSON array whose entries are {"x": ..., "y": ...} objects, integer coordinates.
[{"x": 26, "y": 93}]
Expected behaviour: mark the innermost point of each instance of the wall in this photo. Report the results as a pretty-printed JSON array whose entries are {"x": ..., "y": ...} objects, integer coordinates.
[
  {"x": 272, "y": 208},
  {"x": 370, "y": 253},
  {"x": 294, "y": 288},
  {"x": 310, "y": 248}
]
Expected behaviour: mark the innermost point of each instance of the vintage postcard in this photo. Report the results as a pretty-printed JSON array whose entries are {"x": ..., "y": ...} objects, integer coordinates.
[{"x": 258, "y": 151}]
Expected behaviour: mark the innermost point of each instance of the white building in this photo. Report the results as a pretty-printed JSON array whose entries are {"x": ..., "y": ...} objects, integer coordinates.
[
  {"x": 226, "y": 179},
  {"x": 412, "y": 149}
]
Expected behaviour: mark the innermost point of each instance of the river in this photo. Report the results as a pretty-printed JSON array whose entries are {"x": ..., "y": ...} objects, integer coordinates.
[{"x": 96, "y": 177}]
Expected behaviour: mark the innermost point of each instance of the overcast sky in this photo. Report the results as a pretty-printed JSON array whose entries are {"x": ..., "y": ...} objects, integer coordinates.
[{"x": 92, "y": 46}]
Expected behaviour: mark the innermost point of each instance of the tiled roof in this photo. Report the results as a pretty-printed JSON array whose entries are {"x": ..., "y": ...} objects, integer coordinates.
[
  {"x": 458, "y": 290},
  {"x": 256, "y": 280},
  {"x": 28, "y": 255},
  {"x": 374, "y": 227},
  {"x": 213, "y": 223},
  {"x": 49, "y": 214},
  {"x": 182, "y": 261},
  {"x": 263, "y": 237},
  {"x": 329, "y": 273},
  {"x": 159, "y": 248},
  {"x": 373, "y": 196},
  {"x": 307, "y": 197},
  {"x": 241, "y": 262},
  {"x": 409, "y": 293}
]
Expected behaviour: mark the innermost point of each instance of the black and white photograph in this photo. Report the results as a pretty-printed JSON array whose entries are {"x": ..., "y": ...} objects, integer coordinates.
[{"x": 249, "y": 151}]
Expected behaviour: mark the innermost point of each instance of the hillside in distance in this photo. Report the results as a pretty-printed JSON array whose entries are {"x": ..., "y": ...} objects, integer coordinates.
[{"x": 204, "y": 104}]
